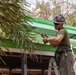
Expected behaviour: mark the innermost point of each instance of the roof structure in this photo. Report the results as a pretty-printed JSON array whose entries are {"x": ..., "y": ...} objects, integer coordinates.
[{"x": 47, "y": 27}]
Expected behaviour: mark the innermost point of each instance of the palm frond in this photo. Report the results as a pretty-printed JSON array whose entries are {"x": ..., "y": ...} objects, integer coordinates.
[{"x": 14, "y": 23}]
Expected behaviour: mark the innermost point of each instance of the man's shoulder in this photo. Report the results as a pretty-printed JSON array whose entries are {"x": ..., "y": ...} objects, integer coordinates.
[{"x": 63, "y": 30}]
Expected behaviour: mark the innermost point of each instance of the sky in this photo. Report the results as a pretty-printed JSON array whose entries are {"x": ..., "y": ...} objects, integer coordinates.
[{"x": 33, "y": 2}]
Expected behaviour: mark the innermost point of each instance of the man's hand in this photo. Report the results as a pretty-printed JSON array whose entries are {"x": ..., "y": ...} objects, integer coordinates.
[
  {"x": 45, "y": 41},
  {"x": 44, "y": 35},
  {"x": 45, "y": 38}
]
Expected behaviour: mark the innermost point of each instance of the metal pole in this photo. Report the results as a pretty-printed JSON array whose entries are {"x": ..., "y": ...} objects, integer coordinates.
[{"x": 24, "y": 66}]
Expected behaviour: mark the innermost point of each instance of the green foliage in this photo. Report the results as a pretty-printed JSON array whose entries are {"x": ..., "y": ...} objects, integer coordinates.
[{"x": 14, "y": 23}]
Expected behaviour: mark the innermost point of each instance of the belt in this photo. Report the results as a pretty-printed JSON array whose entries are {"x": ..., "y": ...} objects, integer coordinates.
[
  {"x": 64, "y": 45},
  {"x": 63, "y": 48}
]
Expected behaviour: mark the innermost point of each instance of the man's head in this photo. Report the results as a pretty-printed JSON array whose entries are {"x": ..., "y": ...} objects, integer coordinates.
[{"x": 58, "y": 21}]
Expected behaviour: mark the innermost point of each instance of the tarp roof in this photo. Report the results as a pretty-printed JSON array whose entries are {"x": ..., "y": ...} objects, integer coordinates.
[
  {"x": 48, "y": 28},
  {"x": 43, "y": 26}
]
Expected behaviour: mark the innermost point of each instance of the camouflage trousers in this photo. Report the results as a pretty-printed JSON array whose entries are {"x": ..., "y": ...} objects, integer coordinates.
[{"x": 65, "y": 61}]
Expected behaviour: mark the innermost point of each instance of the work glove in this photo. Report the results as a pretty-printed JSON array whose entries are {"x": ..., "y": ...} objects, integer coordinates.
[
  {"x": 44, "y": 38},
  {"x": 45, "y": 41}
]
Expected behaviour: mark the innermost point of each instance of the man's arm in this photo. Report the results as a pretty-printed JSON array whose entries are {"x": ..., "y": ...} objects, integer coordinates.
[{"x": 54, "y": 41}]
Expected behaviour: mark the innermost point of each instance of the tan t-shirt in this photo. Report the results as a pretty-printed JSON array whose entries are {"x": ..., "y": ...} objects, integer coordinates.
[{"x": 65, "y": 35}]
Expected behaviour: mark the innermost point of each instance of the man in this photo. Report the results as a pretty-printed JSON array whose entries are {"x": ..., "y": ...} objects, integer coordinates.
[{"x": 63, "y": 55}]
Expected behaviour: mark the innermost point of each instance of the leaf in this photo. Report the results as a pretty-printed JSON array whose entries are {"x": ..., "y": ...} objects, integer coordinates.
[{"x": 14, "y": 24}]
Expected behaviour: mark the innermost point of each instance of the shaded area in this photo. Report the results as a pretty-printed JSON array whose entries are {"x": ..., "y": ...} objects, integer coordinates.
[{"x": 13, "y": 61}]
